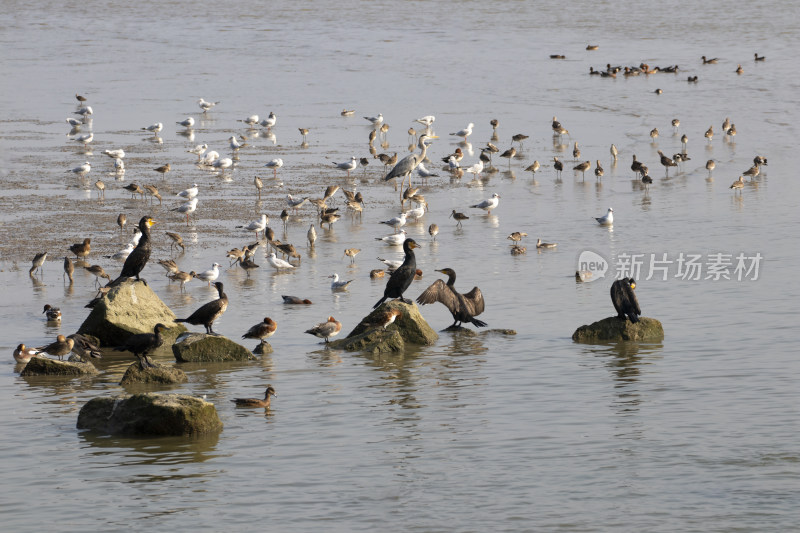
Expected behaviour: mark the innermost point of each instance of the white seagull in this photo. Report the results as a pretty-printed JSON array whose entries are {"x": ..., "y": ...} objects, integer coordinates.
[
  {"x": 119, "y": 166},
  {"x": 209, "y": 275},
  {"x": 188, "y": 122},
  {"x": 424, "y": 173},
  {"x": 395, "y": 240},
  {"x": 205, "y": 106},
  {"x": 222, "y": 164},
  {"x": 234, "y": 143},
  {"x": 427, "y": 120},
  {"x": 84, "y": 111},
  {"x": 186, "y": 208},
  {"x": 416, "y": 213},
  {"x": 155, "y": 128},
  {"x": 74, "y": 122},
  {"x": 189, "y": 193},
  {"x": 348, "y": 166},
  {"x": 376, "y": 121},
  {"x": 257, "y": 225},
  {"x": 86, "y": 138},
  {"x": 198, "y": 150},
  {"x": 606, "y": 220},
  {"x": 269, "y": 121},
  {"x": 252, "y": 120},
  {"x": 391, "y": 264},
  {"x": 475, "y": 169},
  {"x": 337, "y": 285},
  {"x": 489, "y": 204},
  {"x": 279, "y": 264},
  {"x": 275, "y": 164},
  {"x": 396, "y": 222},
  {"x": 124, "y": 253},
  {"x": 466, "y": 132},
  {"x": 119, "y": 153},
  {"x": 209, "y": 158},
  {"x": 295, "y": 203},
  {"x": 81, "y": 170}
]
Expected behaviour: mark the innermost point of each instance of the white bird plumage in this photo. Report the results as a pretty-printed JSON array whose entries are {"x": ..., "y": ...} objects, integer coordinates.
[
  {"x": 279, "y": 264},
  {"x": 466, "y": 132},
  {"x": 607, "y": 219},
  {"x": 488, "y": 204},
  {"x": 337, "y": 285}
]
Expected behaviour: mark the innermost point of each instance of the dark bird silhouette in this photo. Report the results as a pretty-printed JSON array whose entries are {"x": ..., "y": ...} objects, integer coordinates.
[
  {"x": 209, "y": 312},
  {"x": 463, "y": 307},
  {"x": 137, "y": 259},
  {"x": 143, "y": 344},
  {"x": 624, "y": 299},
  {"x": 403, "y": 276}
]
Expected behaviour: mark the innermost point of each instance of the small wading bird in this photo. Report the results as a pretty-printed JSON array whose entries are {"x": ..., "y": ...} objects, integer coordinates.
[
  {"x": 463, "y": 307},
  {"x": 624, "y": 299}
]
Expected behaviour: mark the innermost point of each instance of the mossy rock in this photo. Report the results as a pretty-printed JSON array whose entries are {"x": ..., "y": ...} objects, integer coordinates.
[
  {"x": 411, "y": 326},
  {"x": 263, "y": 348},
  {"x": 149, "y": 414},
  {"x": 158, "y": 374},
  {"x": 374, "y": 340},
  {"x": 615, "y": 329},
  {"x": 127, "y": 309},
  {"x": 44, "y": 366},
  {"x": 201, "y": 347}
]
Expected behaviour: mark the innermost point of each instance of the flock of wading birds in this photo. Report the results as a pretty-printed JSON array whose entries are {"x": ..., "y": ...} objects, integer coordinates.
[{"x": 463, "y": 307}]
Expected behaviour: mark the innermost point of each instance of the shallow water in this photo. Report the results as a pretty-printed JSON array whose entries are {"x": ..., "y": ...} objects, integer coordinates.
[{"x": 524, "y": 432}]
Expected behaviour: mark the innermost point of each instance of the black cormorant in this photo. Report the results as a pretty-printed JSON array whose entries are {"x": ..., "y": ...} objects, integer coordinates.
[
  {"x": 138, "y": 258},
  {"x": 209, "y": 312},
  {"x": 624, "y": 299},
  {"x": 463, "y": 307},
  {"x": 403, "y": 276},
  {"x": 142, "y": 344}
]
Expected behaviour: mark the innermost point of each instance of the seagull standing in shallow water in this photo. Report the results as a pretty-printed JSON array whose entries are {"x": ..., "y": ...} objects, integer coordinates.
[
  {"x": 348, "y": 166},
  {"x": 489, "y": 204}
]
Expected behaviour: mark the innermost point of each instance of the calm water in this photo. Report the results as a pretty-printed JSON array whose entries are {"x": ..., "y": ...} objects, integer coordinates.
[{"x": 508, "y": 433}]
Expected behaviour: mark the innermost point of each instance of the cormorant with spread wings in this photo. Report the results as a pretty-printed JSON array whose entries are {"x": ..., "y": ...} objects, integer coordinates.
[{"x": 463, "y": 307}]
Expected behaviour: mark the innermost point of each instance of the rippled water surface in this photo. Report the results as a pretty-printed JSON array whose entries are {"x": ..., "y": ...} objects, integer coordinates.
[{"x": 529, "y": 432}]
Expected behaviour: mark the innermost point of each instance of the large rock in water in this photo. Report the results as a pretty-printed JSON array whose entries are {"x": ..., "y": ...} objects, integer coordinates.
[
  {"x": 127, "y": 309},
  {"x": 149, "y": 414},
  {"x": 161, "y": 374},
  {"x": 203, "y": 348},
  {"x": 614, "y": 329},
  {"x": 409, "y": 328},
  {"x": 44, "y": 366}
]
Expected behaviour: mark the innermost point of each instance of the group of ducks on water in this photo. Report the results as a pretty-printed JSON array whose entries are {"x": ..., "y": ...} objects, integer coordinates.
[{"x": 644, "y": 68}]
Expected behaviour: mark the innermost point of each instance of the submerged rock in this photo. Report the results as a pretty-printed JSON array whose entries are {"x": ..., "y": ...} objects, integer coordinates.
[
  {"x": 408, "y": 328},
  {"x": 127, "y": 309},
  {"x": 43, "y": 366},
  {"x": 476, "y": 332},
  {"x": 201, "y": 347},
  {"x": 149, "y": 414},
  {"x": 158, "y": 374},
  {"x": 614, "y": 329}
]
